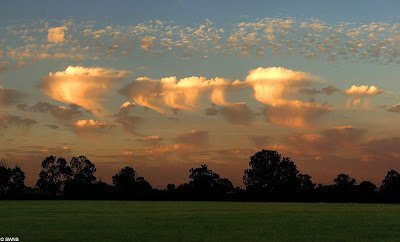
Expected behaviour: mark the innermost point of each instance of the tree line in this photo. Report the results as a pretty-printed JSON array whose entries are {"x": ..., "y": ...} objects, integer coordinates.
[{"x": 270, "y": 177}]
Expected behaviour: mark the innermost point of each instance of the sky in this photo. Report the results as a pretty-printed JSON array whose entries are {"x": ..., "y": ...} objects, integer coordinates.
[{"x": 164, "y": 86}]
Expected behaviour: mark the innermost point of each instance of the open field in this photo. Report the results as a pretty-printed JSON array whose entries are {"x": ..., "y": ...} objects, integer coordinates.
[{"x": 197, "y": 221}]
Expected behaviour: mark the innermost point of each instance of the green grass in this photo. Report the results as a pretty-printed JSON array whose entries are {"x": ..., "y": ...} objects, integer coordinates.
[{"x": 197, "y": 221}]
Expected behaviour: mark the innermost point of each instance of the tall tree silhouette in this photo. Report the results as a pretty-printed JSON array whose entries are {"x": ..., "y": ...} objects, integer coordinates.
[
  {"x": 271, "y": 173},
  {"x": 5, "y": 176},
  {"x": 17, "y": 180},
  {"x": 55, "y": 172},
  {"x": 125, "y": 179},
  {"x": 82, "y": 179},
  {"x": 82, "y": 170},
  {"x": 391, "y": 182}
]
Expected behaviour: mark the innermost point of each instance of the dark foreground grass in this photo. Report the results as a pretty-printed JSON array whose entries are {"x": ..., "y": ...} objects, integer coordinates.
[{"x": 197, "y": 221}]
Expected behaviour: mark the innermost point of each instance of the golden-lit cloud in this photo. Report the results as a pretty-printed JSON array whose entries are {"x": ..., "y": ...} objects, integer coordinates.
[
  {"x": 273, "y": 86},
  {"x": 56, "y": 35},
  {"x": 359, "y": 95},
  {"x": 90, "y": 128},
  {"x": 173, "y": 93},
  {"x": 82, "y": 86}
]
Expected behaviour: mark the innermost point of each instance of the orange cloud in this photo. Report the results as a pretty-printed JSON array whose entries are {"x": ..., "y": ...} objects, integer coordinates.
[
  {"x": 272, "y": 85},
  {"x": 82, "y": 86},
  {"x": 56, "y": 35},
  {"x": 359, "y": 95}
]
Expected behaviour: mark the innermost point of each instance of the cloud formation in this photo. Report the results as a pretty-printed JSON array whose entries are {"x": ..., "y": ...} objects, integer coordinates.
[
  {"x": 82, "y": 86},
  {"x": 9, "y": 96},
  {"x": 359, "y": 95},
  {"x": 59, "y": 112},
  {"x": 193, "y": 138},
  {"x": 8, "y": 121},
  {"x": 273, "y": 86},
  {"x": 395, "y": 108},
  {"x": 56, "y": 35}
]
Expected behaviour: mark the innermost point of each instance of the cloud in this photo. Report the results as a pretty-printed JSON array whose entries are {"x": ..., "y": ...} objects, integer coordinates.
[
  {"x": 9, "y": 96},
  {"x": 56, "y": 35},
  {"x": 314, "y": 91},
  {"x": 182, "y": 94},
  {"x": 59, "y": 112},
  {"x": 273, "y": 85},
  {"x": 152, "y": 140},
  {"x": 359, "y": 95},
  {"x": 295, "y": 114},
  {"x": 91, "y": 128},
  {"x": 395, "y": 108},
  {"x": 235, "y": 113},
  {"x": 147, "y": 43},
  {"x": 340, "y": 139},
  {"x": 260, "y": 141},
  {"x": 193, "y": 138},
  {"x": 8, "y": 121},
  {"x": 145, "y": 92},
  {"x": 82, "y": 86},
  {"x": 127, "y": 120}
]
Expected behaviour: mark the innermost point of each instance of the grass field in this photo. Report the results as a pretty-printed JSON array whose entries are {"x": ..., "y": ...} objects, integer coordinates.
[{"x": 197, "y": 221}]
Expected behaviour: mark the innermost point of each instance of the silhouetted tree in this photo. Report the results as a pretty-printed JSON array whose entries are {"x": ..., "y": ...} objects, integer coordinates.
[
  {"x": 5, "y": 176},
  {"x": 344, "y": 187},
  {"x": 128, "y": 185},
  {"x": 17, "y": 180},
  {"x": 125, "y": 179},
  {"x": 367, "y": 187},
  {"x": 142, "y": 186},
  {"x": 55, "y": 172},
  {"x": 270, "y": 173},
  {"x": 171, "y": 188},
  {"x": 203, "y": 181},
  {"x": 367, "y": 192},
  {"x": 82, "y": 180},
  {"x": 82, "y": 170},
  {"x": 391, "y": 183}
]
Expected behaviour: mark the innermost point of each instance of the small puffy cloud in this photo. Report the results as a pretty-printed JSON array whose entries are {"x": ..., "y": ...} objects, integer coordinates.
[
  {"x": 56, "y": 34},
  {"x": 359, "y": 95},
  {"x": 193, "y": 138},
  {"x": 90, "y": 127},
  {"x": 395, "y": 109},
  {"x": 59, "y": 112},
  {"x": 147, "y": 43},
  {"x": 82, "y": 86},
  {"x": 361, "y": 91},
  {"x": 9, "y": 96}
]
